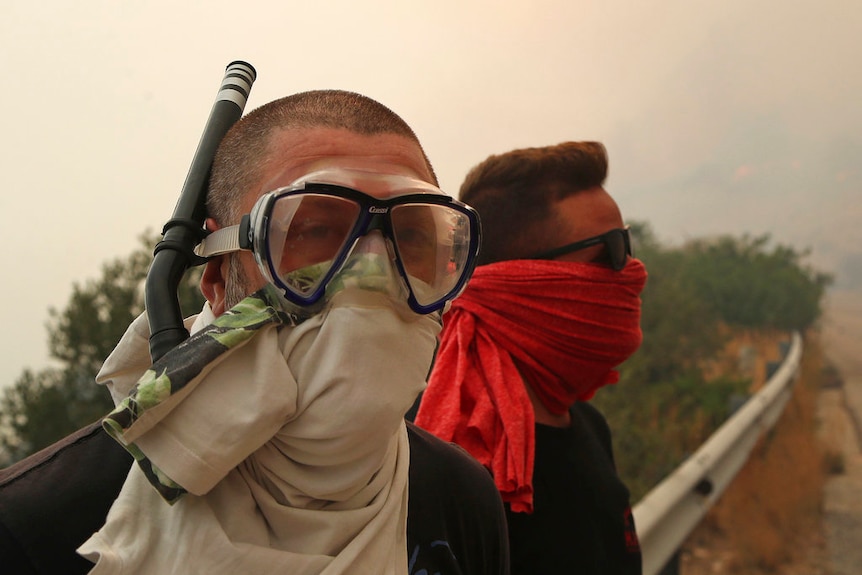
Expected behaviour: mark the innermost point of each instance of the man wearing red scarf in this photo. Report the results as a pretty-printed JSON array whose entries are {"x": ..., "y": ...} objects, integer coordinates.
[{"x": 552, "y": 309}]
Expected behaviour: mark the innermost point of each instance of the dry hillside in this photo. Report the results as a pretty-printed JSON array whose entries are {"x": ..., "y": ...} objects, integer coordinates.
[{"x": 796, "y": 508}]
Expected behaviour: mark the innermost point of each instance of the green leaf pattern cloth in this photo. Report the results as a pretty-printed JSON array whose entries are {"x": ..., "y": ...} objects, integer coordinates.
[{"x": 172, "y": 374}]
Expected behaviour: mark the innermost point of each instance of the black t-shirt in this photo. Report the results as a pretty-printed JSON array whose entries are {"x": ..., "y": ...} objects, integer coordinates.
[
  {"x": 581, "y": 521},
  {"x": 53, "y": 501},
  {"x": 455, "y": 521}
]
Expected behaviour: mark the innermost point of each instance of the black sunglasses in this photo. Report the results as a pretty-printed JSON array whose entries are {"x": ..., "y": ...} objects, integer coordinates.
[{"x": 617, "y": 243}]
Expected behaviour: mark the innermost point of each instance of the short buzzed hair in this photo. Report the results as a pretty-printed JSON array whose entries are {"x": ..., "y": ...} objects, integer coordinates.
[
  {"x": 515, "y": 193},
  {"x": 243, "y": 152}
]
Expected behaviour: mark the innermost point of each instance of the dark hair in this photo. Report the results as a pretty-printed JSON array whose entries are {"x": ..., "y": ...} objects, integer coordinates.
[
  {"x": 515, "y": 192},
  {"x": 243, "y": 152}
]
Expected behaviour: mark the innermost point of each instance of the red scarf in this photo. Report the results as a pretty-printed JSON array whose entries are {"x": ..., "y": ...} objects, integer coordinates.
[{"x": 561, "y": 327}]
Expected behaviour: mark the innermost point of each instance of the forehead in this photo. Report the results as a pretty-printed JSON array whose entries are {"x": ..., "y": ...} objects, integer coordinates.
[
  {"x": 588, "y": 213},
  {"x": 294, "y": 153}
]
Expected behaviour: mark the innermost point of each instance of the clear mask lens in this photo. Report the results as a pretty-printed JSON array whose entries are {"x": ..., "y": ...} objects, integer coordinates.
[
  {"x": 368, "y": 268},
  {"x": 310, "y": 238},
  {"x": 306, "y": 234},
  {"x": 432, "y": 243}
]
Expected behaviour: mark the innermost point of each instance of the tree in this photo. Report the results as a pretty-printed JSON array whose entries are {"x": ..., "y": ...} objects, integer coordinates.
[
  {"x": 44, "y": 406},
  {"x": 750, "y": 285}
]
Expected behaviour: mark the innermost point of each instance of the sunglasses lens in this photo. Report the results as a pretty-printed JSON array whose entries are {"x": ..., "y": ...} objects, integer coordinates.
[
  {"x": 617, "y": 244},
  {"x": 432, "y": 242},
  {"x": 306, "y": 234}
]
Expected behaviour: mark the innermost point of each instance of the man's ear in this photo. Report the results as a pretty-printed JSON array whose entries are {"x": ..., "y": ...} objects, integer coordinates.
[{"x": 214, "y": 278}]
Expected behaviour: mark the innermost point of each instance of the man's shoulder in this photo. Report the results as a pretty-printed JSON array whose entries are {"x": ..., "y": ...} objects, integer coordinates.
[
  {"x": 427, "y": 445},
  {"x": 586, "y": 415},
  {"x": 431, "y": 457},
  {"x": 456, "y": 522},
  {"x": 53, "y": 500}
]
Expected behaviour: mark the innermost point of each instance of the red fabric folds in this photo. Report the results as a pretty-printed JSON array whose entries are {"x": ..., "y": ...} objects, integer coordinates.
[{"x": 561, "y": 327}]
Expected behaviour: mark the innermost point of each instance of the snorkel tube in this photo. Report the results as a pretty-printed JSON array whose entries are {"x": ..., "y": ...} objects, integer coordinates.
[{"x": 174, "y": 254}]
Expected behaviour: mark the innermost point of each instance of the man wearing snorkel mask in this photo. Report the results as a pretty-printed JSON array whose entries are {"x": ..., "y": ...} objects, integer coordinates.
[
  {"x": 273, "y": 439},
  {"x": 551, "y": 310}
]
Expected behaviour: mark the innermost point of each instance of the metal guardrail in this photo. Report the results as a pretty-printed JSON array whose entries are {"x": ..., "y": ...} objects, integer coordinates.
[{"x": 673, "y": 508}]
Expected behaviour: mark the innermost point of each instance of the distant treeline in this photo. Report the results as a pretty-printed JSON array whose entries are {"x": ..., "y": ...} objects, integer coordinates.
[{"x": 662, "y": 409}]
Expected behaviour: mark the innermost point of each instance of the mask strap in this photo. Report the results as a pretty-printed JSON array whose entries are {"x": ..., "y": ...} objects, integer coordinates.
[
  {"x": 226, "y": 240},
  {"x": 219, "y": 242}
]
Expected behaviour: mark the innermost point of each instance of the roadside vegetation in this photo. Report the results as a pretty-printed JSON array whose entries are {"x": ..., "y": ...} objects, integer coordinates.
[{"x": 717, "y": 319}]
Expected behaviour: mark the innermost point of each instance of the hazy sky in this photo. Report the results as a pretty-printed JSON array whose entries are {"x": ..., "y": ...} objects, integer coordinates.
[{"x": 735, "y": 116}]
